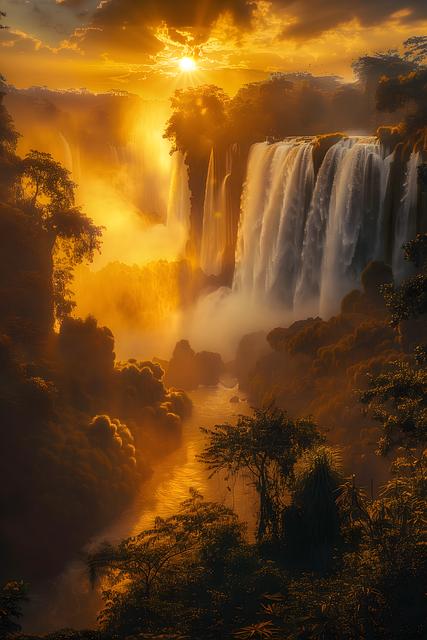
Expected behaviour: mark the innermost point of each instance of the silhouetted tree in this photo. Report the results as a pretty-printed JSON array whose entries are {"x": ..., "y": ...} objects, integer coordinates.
[
  {"x": 370, "y": 68},
  {"x": 12, "y": 596},
  {"x": 46, "y": 193},
  {"x": 312, "y": 521},
  {"x": 266, "y": 447},
  {"x": 408, "y": 91}
]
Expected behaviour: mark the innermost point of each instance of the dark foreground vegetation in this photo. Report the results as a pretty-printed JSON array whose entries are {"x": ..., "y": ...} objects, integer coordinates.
[{"x": 329, "y": 560}]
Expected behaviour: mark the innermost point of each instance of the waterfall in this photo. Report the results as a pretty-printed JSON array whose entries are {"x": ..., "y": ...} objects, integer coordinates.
[
  {"x": 405, "y": 225},
  {"x": 276, "y": 198},
  {"x": 351, "y": 231},
  {"x": 308, "y": 286},
  {"x": 179, "y": 204},
  {"x": 214, "y": 219},
  {"x": 304, "y": 240},
  {"x": 255, "y": 194}
]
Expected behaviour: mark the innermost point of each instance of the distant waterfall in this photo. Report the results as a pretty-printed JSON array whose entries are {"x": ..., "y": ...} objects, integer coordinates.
[
  {"x": 214, "y": 219},
  {"x": 179, "y": 203},
  {"x": 303, "y": 240},
  {"x": 405, "y": 226}
]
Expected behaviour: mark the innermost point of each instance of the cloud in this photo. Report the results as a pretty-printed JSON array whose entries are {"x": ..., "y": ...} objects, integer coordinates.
[
  {"x": 308, "y": 19},
  {"x": 71, "y": 3},
  {"x": 125, "y": 28},
  {"x": 21, "y": 42},
  {"x": 176, "y": 13}
]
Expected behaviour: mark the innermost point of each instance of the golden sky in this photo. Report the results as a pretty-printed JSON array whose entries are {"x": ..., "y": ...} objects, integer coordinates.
[{"x": 136, "y": 45}]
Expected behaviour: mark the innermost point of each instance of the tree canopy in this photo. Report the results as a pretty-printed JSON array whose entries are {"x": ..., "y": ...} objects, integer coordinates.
[
  {"x": 397, "y": 396},
  {"x": 266, "y": 447}
]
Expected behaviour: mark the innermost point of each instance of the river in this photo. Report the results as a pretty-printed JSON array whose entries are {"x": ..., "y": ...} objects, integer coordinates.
[{"x": 69, "y": 601}]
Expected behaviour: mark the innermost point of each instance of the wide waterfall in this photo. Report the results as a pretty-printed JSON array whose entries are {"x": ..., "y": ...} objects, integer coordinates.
[{"x": 304, "y": 239}]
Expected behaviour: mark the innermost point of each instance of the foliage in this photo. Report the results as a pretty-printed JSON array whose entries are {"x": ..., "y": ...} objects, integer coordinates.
[
  {"x": 12, "y": 596},
  {"x": 47, "y": 189},
  {"x": 312, "y": 521},
  {"x": 406, "y": 90},
  {"x": 416, "y": 48},
  {"x": 376, "y": 590},
  {"x": 266, "y": 446},
  {"x": 409, "y": 299},
  {"x": 257, "y": 631},
  {"x": 260, "y": 110},
  {"x": 177, "y": 576},
  {"x": 46, "y": 183},
  {"x": 197, "y": 120},
  {"x": 8, "y": 134},
  {"x": 397, "y": 399},
  {"x": 397, "y": 396},
  {"x": 370, "y": 68},
  {"x": 45, "y": 192}
]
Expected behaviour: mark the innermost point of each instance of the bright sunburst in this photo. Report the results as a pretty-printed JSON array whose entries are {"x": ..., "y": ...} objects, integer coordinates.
[{"x": 187, "y": 64}]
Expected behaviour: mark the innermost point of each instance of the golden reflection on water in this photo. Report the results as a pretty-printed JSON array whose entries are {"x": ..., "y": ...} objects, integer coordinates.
[
  {"x": 181, "y": 470},
  {"x": 173, "y": 476}
]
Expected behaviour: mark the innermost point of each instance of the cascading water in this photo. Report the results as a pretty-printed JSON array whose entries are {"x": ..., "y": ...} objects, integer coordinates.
[
  {"x": 214, "y": 220},
  {"x": 352, "y": 225},
  {"x": 179, "y": 203},
  {"x": 304, "y": 240},
  {"x": 275, "y": 202},
  {"x": 405, "y": 226}
]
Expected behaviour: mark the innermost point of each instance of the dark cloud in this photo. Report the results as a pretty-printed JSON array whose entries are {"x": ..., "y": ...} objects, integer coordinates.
[
  {"x": 315, "y": 17},
  {"x": 176, "y": 13},
  {"x": 71, "y": 3},
  {"x": 125, "y": 26}
]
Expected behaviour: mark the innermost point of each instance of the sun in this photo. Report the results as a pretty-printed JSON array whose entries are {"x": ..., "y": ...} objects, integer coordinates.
[{"x": 187, "y": 65}]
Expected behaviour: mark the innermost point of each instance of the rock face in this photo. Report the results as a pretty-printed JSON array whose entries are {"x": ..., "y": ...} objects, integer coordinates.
[
  {"x": 188, "y": 369},
  {"x": 252, "y": 347}
]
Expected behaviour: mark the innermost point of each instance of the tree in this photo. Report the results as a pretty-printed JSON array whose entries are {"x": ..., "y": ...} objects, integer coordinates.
[
  {"x": 390, "y": 559},
  {"x": 397, "y": 397},
  {"x": 409, "y": 299},
  {"x": 12, "y": 596},
  {"x": 312, "y": 521},
  {"x": 416, "y": 48},
  {"x": 408, "y": 90},
  {"x": 370, "y": 68},
  {"x": 162, "y": 568},
  {"x": 8, "y": 141},
  {"x": 260, "y": 110},
  {"x": 266, "y": 446},
  {"x": 8, "y": 134},
  {"x": 46, "y": 194},
  {"x": 198, "y": 118}
]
